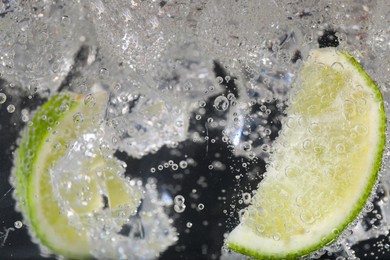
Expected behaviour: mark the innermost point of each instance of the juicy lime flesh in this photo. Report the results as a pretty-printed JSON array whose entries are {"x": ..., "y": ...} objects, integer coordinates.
[
  {"x": 324, "y": 163},
  {"x": 54, "y": 127}
]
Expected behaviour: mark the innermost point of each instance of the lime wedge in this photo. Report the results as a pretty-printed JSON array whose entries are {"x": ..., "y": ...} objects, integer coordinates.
[
  {"x": 323, "y": 165},
  {"x": 48, "y": 141}
]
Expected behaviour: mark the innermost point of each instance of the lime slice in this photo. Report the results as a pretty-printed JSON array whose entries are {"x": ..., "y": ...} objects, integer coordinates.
[
  {"x": 323, "y": 165},
  {"x": 54, "y": 131}
]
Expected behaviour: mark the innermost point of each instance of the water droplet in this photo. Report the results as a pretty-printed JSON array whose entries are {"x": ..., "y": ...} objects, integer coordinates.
[
  {"x": 11, "y": 108},
  {"x": 198, "y": 117},
  {"x": 221, "y": 103},
  {"x": 18, "y": 224},
  {"x": 3, "y": 98},
  {"x": 219, "y": 80}
]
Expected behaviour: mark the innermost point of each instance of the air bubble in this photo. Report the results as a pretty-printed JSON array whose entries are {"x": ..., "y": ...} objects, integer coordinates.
[
  {"x": 11, "y": 108},
  {"x": 3, "y": 98},
  {"x": 78, "y": 118},
  {"x": 18, "y": 224},
  {"x": 183, "y": 164},
  {"x": 306, "y": 218},
  {"x": 260, "y": 228},
  {"x": 202, "y": 103},
  {"x": 299, "y": 200},
  {"x": 25, "y": 118},
  {"x": 266, "y": 148},
  {"x": 179, "y": 199},
  {"x": 231, "y": 96},
  {"x": 103, "y": 73},
  {"x": 90, "y": 100},
  {"x": 189, "y": 225},
  {"x": 337, "y": 66},
  {"x": 306, "y": 144},
  {"x": 246, "y": 197},
  {"x": 179, "y": 208},
  {"x": 340, "y": 148},
  {"x": 360, "y": 129},
  {"x": 349, "y": 109},
  {"x": 179, "y": 123},
  {"x": 65, "y": 20},
  {"x": 246, "y": 147},
  {"x": 57, "y": 146},
  {"x": 368, "y": 207},
  {"x": 200, "y": 206},
  {"x": 221, "y": 103}
]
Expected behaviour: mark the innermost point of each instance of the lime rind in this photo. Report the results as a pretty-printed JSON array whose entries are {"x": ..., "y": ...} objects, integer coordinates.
[
  {"x": 30, "y": 143},
  {"x": 45, "y": 120},
  {"x": 242, "y": 235}
]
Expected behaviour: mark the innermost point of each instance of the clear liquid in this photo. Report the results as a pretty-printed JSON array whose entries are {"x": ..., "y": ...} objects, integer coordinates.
[{"x": 197, "y": 95}]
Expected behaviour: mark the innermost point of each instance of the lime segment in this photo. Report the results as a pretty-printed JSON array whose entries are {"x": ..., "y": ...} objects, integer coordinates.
[
  {"x": 324, "y": 163},
  {"x": 94, "y": 185}
]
